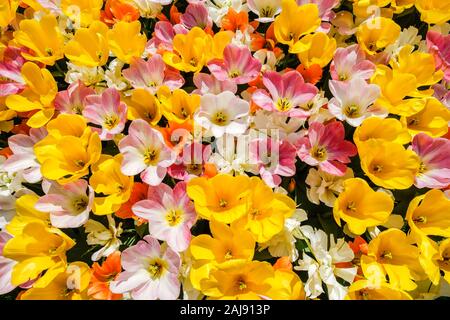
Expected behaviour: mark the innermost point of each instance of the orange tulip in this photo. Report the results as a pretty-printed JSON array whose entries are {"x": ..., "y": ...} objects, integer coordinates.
[
  {"x": 102, "y": 275},
  {"x": 138, "y": 193},
  {"x": 176, "y": 134},
  {"x": 313, "y": 74},
  {"x": 116, "y": 10},
  {"x": 233, "y": 21}
]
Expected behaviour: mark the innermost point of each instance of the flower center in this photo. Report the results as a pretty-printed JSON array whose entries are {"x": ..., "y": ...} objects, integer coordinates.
[
  {"x": 173, "y": 217},
  {"x": 156, "y": 269},
  {"x": 77, "y": 109},
  {"x": 194, "y": 169},
  {"x": 228, "y": 254},
  {"x": 110, "y": 121},
  {"x": 220, "y": 118},
  {"x": 351, "y": 206},
  {"x": 319, "y": 153},
  {"x": 377, "y": 168},
  {"x": 352, "y": 111},
  {"x": 386, "y": 255},
  {"x": 234, "y": 74},
  {"x": 240, "y": 284},
  {"x": 151, "y": 157},
  {"x": 223, "y": 203},
  {"x": 363, "y": 294},
  {"x": 255, "y": 214},
  {"x": 283, "y": 104},
  {"x": 420, "y": 219},
  {"x": 413, "y": 122},
  {"x": 80, "y": 163},
  {"x": 80, "y": 204},
  {"x": 184, "y": 112},
  {"x": 193, "y": 62},
  {"x": 422, "y": 168},
  {"x": 266, "y": 12}
]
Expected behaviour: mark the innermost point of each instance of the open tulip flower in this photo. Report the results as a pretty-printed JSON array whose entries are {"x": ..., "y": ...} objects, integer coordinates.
[{"x": 224, "y": 150}]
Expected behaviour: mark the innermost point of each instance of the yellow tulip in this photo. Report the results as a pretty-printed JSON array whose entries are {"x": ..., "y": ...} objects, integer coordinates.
[
  {"x": 363, "y": 9},
  {"x": 8, "y": 10},
  {"x": 108, "y": 179},
  {"x": 267, "y": 212},
  {"x": 288, "y": 28},
  {"x": 420, "y": 64},
  {"x": 444, "y": 258},
  {"x": 143, "y": 105},
  {"x": 227, "y": 243},
  {"x": 433, "y": 11},
  {"x": 36, "y": 249},
  {"x": 66, "y": 153},
  {"x": 401, "y": 5},
  {"x": 126, "y": 41},
  {"x": 82, "y": 12},
  {"x": 392, "y": 252},
  {"x": 39, "y": 94},
  {"x": 26, "y": 213},
  {"x": 70, "y": 284},
  {"x": 6, "y": 117},
  {"x": 219, "y": 41},
  {"x": 429, "y": 214},
  {"x": 224, "y": 198},
  {"x": 432, "y": 119},
  {"x": 428, "y": 256},
  {"x": 43, "y": 38},
  {"x": 320, "y": 50},
  {"x": 285, "y": 285},
  {"x": 361, "y": 207},
  {"x": 178, "y": 106},
  {"x": 362, "y": 290},
  {"x": 191, "y": 51},
  {"x": 398, "y": 91},
  {"x": 89, "y": 46},
  {"x": 238, "y": 280},
  {"x": 389, "y": 129},
  {"x": 388, "y": 164},
  {"x": 376, "y": 33}
]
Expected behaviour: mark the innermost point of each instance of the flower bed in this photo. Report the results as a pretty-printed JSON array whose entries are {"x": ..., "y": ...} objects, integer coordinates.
[{"x": 260, "y": 149}]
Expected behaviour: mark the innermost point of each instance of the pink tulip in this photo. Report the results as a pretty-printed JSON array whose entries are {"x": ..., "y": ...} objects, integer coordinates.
[
  {"x": 349, "y": 63},
  {"x": 170, "y": 214},
  {"x": 152, "y": 74},
  {"x": 353, "y": 101},
  {"x": 145, "y": 152},
  {"x": 150, "y": 271},
  {"x": 238, "y": 65},
  {"x": 439, "y": 46},
  {"x": 11, "y": 81},
  {"x": 107, "y": 111},
  {"x": 190, "y": 162},
  {"x": 442, "y": 94},
  {"x": 23, "y": 157},
  {"x": 196, "y": 15},
  {"x": 68, "y": 204},
  {"x": 274, "y": 158},
  {"x": 6, "y": 266},
  {"x": 207, "y": 83},
  {"x": 71, "y": 100},
  {"x": 434, "y": 153},
  {"x": 325, "y": 147},
  {"x": 287, "y": 92}
]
